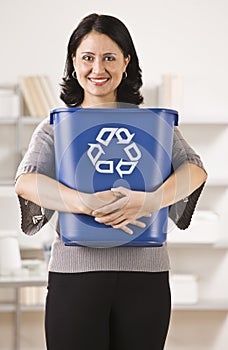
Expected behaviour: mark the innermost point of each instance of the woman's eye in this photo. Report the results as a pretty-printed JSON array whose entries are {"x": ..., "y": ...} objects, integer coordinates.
[
  {"x": 87, "y": 58},
  {"x": 109, "y": 58}
]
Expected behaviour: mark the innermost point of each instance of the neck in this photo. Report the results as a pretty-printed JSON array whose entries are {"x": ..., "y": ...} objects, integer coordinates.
[{"x": 99, "y": 102}]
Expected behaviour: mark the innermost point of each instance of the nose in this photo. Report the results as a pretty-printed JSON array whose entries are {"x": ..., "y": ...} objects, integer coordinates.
[{"x": 98, "y": 66}]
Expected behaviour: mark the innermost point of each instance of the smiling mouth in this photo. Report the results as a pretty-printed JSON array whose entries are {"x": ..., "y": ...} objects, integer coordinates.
[{"x": 98, "y": 81}]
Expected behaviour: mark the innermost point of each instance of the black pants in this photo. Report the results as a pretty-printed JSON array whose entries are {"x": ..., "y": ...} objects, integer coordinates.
[{"x": 107, "y": 310}]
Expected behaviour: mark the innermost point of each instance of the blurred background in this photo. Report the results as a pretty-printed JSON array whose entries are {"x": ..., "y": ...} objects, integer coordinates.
[{"x": 183, "y": 53}]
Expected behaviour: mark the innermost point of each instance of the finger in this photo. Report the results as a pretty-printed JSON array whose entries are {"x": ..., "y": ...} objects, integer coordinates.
[
  {"x": 143, "y": 215},
  {"x": 117, "y": 194},
  {"x": 126, "y": 230},
  {"x": 136, "y": 223},
  {"x": 111, "y": 219},
  {"x": 110, "y": 208},
  {"x": 121, "y": 191},
  {"x": 118, "y": 217}
]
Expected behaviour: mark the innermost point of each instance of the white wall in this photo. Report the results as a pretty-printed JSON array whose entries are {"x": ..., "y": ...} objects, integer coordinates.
[{"x": 187, "y": 37}]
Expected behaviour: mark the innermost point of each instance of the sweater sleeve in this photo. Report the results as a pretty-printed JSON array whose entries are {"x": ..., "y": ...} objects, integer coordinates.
[
  {"x": 39, "y": 158},
  {"x": 181, "y": 212}
]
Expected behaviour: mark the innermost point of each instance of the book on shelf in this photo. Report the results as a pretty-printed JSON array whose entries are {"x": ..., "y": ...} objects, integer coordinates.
[
  {"x": 38, "y": 95},
  {"x": 33, "y": 295},
  {"x": 170, "y": 93}
]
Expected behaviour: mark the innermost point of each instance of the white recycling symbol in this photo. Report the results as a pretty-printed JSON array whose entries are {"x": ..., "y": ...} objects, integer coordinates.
[{"x": 96, "y": 150}]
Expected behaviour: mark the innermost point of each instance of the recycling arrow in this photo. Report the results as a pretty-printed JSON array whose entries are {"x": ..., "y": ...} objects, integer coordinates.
[
  {"x": 133, "y": 152},
  {"x": 127, "y": 135},
  {"x": 104, "y": 166},
  {"x": 110, "y": 131},
  {"x": 122, "y": 163},
  {"x": 99, "y": 151}
]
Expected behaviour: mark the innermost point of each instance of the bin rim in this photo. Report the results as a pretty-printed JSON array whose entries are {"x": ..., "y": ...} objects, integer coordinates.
[
  {"x": 133, "y": 109},
  {"x": 102, "y": 110}
]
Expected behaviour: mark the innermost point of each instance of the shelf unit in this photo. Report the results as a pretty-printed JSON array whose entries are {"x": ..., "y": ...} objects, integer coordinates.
[
  {"x": 16, "y": 283},
  {"x": 15, "y": 133},
  {"x": 207, "y": 137},
  {"x": 207, "y": 261}
]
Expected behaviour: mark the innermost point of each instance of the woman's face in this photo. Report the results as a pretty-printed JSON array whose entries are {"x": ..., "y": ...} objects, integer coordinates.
[{"x": 99, "y": 64}]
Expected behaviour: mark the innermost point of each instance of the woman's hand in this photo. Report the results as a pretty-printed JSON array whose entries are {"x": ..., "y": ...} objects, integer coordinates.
[
  {"x": 127, "y": 209},
  {"x": 93, "y": 201},
  {"x": 107, "y": 203}
]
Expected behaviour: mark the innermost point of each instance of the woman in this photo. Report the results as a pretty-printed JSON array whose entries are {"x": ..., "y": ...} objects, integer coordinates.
[{"x": 111, "y": 298}]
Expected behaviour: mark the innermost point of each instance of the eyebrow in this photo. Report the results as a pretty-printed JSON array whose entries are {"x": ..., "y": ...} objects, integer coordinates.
[{"x": 92, "y": 53}]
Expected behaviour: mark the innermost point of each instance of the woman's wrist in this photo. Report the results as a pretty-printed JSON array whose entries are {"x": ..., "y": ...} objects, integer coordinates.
[
  {"x": 86, "y": 203},
  {"x": 81, "y": 203},
  {"x": 153, "y": 201}
]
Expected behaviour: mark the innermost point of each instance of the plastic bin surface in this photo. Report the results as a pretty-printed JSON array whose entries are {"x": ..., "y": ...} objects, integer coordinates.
[{"x": 97, "y": 149}]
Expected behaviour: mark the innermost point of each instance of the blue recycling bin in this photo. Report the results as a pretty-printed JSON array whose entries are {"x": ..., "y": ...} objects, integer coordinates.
[{"x": 100, "y": 148}]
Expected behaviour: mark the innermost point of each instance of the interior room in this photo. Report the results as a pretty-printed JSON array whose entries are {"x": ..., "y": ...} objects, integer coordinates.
[{"x": 183, "y": 54}]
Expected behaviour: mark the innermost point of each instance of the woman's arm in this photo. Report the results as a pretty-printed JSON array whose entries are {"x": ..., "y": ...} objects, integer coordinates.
[
  {"x": 51, "y": 194},
  {"x": 184, "y": 181},
  {"x": 135, "y": 204}
]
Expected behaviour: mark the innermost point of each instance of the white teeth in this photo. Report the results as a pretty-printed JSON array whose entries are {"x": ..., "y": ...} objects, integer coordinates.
[{"x": 98, "y": 80}]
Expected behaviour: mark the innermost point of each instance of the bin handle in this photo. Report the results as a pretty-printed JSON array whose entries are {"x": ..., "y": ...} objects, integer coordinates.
[{"x": 51, "y": 118}]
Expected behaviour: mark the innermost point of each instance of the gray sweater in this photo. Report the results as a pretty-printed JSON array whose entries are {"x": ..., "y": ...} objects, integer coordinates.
[{"x": 40, "y": 159}]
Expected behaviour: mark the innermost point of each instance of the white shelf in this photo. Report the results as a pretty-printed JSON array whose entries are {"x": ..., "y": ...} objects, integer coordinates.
[
  {"x": 221, "y": 245},
  {"x": 206, "y": 305},
  {"x": 26, "y": 120},
  {"x": 28, "y": 308},
  {"x": 8, "y": 120},
  {"x": 217, "y": 182},
  {"x": 192, "y": 245},
  {"x": 7, "y": 191},
  {"x": 25, "y": 308},
  {"x": 7, "y": 307},
  {"x": 6, "y": 183},
  {"x": 200, "y": 306},
  {"x": 205, "y": 122},
  {"x": 197, "y": 245},
  {"x": 32, "y": 280}
]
